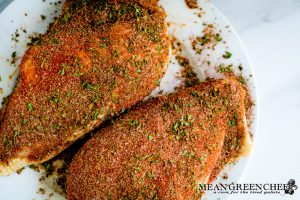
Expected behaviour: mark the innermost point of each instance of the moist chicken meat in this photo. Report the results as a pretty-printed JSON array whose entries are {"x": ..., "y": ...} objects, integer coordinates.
[
  {"x": 97, "y": 59},
  {"x": 162, "y": 149}
]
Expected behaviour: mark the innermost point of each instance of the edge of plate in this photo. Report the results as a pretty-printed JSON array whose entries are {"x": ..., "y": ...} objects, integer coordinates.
[{"x": 254, "y": 91}]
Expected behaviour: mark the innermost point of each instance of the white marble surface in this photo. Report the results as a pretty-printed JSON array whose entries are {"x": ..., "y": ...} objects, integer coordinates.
[{"x": 270, "y": 31}]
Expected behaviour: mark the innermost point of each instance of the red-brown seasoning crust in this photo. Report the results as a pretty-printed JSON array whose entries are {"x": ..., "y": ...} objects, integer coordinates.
[
  {"x": 233, "y": 142},
  {"x": 159, "y": 149},
  {"x": 3, "y": 107},
  {"x": 58, "y": 173},
  {"x": 97, "y": 59},
  {"x": 148, "y": 4}
]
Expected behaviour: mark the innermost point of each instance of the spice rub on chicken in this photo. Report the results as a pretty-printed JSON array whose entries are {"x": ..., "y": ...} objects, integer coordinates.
[
  {"x": 97, "y": 58},
  {"x": 162, "y": 149}
]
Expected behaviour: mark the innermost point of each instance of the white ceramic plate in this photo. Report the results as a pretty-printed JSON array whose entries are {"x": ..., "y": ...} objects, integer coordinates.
[{"x": 184, "y": 25}]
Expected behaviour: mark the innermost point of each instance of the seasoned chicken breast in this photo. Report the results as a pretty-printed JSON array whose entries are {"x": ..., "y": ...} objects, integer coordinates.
[
  {"x": 97, "y": 59},
  {"x": 162, "y": 149}
]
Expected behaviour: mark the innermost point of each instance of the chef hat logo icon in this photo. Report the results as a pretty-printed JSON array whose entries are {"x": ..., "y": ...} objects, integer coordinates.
[{"x": 291, "y": 187}]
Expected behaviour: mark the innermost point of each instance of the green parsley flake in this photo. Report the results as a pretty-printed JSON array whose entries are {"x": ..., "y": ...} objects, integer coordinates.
[
  {"x": 227, "y": 55},
  {"x": 29, "y": 107}
]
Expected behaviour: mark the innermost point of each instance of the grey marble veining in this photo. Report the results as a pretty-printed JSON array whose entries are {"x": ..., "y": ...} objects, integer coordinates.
[
  {"x": 4, "y": 3},
  {"x": 270, "y": 30}
]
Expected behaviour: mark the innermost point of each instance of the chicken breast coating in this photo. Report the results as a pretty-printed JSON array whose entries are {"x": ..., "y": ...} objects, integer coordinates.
[
  {"x": 162, "y": 149},
  {"x": 97, "y": 59}
]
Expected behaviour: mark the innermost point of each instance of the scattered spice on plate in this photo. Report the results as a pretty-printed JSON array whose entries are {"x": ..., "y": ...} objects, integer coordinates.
[
  {"x": 15, "y": 36},
  {"x": 227, "y": 55},
  {"x": 192, "y": 4},
  {"x": 41, "y": 191},
  {"x": 208, "y": 40},
  {"x": 43, "y": 17},
  {"x": 14, "y": 58},
  {"x": 34, "y": 39},
  {"x": 190, "y": 79}
]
